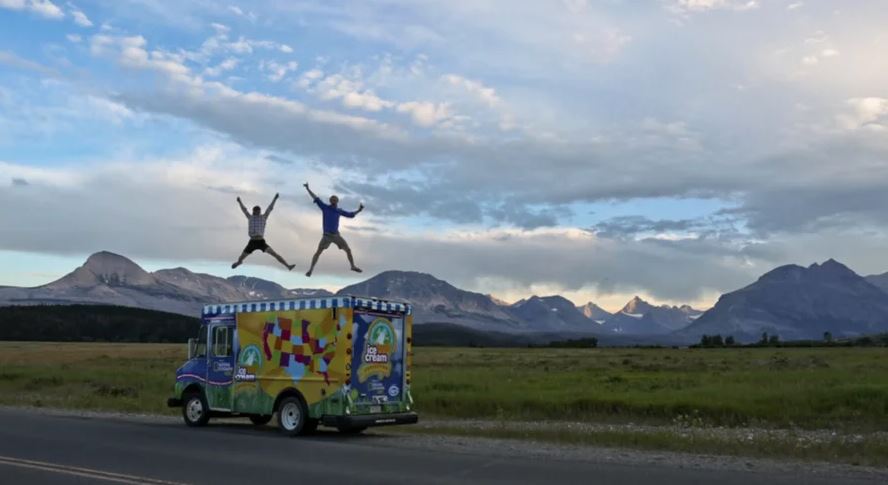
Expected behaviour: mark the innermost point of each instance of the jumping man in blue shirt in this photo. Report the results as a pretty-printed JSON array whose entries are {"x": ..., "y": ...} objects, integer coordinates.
[{"x": 331, "y": 229}]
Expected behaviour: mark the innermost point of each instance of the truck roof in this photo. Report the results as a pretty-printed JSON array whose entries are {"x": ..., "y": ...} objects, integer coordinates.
[{"x": 339, "y": 301}]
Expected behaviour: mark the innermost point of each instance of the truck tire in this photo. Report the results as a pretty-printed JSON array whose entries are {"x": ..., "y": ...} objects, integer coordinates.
[
  {"x": 260, "y": 419},
  {"x": 195, "y": 410},
  {"x": 292, "y": 416}
]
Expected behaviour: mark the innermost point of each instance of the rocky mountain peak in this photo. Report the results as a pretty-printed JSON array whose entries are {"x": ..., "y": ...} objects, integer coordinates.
[
  {"x": 106, "y": 268},
  {"x": 637, "y": 306}
]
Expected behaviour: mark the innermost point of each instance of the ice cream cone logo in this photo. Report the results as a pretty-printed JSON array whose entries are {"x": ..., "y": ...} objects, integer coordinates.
[{"x": 379, "y": 348}]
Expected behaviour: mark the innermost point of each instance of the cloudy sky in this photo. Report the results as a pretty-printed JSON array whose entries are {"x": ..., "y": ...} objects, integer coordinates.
[{"x": 674, "y": 149}]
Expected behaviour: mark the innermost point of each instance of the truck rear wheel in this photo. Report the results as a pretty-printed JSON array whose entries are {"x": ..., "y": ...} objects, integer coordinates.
[
  {"x": 292, "y": 415},
  {"x": 195, "y": 410},
  {"x": 260, "y": 419}
]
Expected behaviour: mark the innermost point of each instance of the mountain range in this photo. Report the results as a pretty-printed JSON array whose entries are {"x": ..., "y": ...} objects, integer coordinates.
[
  {"x": 792, "y": 301},
  {"x": 797, "y": 302}
]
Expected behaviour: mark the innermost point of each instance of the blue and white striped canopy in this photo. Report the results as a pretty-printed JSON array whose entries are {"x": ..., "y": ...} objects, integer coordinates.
[{"x": 356, "y": 302}]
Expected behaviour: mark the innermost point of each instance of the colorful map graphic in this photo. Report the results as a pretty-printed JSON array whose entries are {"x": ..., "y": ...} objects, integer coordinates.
[{"x": 300, "y": 347}]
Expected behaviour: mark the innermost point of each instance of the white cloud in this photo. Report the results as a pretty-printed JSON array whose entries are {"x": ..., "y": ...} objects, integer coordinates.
[
  {"x": 704, "y": 5},
  {"x": 350, "y": 91},
  {"x": 131, "y": 52},
  {"x": 110, "y": 110},
  {"x": 365, "y": 100},
  {"x": 73, "y": 38},
  {"x": 242, "y": 13},
  {"x": 44, "y": 8},
  {"x": 426, "y": 113},
  {"x": 810, "y": 60},
  {"x": 226, "y": 65},
  {"x": 484, "y": 93},
  {"x": 220, "y": 43},
  {"x": 871, "y": 112},
  {"x": 309, "y": 77},
  {"x": 795, "y": 5},
  {"x": 276, "y": 71},
  {"x": 286, "y": 49},
  {"x": 80, "y": 18},
  {"x": 819, "y": 38}
]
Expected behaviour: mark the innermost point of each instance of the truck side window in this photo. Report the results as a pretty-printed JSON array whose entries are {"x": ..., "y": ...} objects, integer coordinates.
[{"x": 222, "y": 342}]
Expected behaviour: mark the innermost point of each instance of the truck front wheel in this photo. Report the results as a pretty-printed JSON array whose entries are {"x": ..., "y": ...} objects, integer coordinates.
[
  {"x": 292, "y": 415},
  {"x": 195, "y": 410}
]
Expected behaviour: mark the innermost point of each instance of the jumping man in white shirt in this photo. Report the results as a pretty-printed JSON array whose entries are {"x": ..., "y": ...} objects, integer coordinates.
[{"x": 256, "y": 229}]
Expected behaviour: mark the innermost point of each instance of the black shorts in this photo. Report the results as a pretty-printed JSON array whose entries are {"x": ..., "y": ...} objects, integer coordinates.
[{"x": 256, "y": 245}]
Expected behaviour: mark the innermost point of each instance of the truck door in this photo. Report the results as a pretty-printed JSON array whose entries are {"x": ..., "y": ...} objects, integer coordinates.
[
  {"x": 378, "y": 360},
  {"x": 220, "y": 367}
]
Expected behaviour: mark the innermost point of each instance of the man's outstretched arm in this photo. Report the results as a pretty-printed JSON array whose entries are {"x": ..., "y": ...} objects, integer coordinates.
[
  {"x": 271, "y": 206},
  {"x": 351, "y": 214},
  {"x": 312, "y": 194},
  {"x": 243, "y": 207}
]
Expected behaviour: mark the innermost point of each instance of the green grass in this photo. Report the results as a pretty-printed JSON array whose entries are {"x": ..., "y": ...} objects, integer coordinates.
[
  {"x": 811, "y": 388},
  {"x": 843, "y": 388},
  {"x": 107, "y": 377}
]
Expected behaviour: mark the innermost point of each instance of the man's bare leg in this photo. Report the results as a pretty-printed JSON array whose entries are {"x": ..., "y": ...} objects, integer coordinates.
[
  {"x": 240, "y": 260},
  {"x": 314, "y": 261},
  {"x": 351, "y": 260},
  {"x": 279, "y": 258}
]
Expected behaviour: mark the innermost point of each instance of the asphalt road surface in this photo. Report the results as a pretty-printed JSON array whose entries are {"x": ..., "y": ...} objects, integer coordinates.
[{"x": 36, "y": 447}]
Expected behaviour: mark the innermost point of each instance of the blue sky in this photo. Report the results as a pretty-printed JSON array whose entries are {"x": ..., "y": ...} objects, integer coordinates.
[{"x": 674, "y": 149}]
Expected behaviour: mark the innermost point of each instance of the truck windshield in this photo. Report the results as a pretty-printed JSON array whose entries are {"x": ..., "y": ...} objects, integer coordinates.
[{"x": 201, "y": 347}]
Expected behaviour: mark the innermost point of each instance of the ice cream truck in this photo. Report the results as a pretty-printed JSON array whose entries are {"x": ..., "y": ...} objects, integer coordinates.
[{"x": 341, "y": 361}]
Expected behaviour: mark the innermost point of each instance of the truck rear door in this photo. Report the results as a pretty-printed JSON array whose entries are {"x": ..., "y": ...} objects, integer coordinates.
[{"x": 377, "y": 360}]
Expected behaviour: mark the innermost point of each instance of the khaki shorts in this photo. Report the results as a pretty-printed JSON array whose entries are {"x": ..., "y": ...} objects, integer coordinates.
[{"x": 336, "y": 239}]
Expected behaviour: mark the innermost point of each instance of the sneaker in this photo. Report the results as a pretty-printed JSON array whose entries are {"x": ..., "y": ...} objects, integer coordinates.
[
  {"x": 234, "y": 265},
  {"x": 290, "y": 267},
  {"x": 308, "y": 274},
  {"x": 357, "y": 270}
]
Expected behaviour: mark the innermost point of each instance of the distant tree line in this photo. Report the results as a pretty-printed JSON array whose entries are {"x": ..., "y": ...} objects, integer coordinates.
[
  {"x": 580, "y": 343},
  {"x": 94, "y": 323},
  {"x": 716, "y": 341}
]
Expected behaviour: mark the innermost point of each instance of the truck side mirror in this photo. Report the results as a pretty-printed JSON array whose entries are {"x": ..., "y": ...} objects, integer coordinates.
[{"x": 192, "y": 348}]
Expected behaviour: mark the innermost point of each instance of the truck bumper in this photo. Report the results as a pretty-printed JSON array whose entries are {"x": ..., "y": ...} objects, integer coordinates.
[
  {"x": 174, "y": 402},
  {"x": 367, "y": 420}
]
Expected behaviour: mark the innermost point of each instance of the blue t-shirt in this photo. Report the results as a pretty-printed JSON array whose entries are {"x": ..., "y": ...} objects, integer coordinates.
[{"x": 331, "y": 216}]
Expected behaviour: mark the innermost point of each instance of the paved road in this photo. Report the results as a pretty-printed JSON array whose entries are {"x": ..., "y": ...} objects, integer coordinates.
[{"x": 40, "y": 448}]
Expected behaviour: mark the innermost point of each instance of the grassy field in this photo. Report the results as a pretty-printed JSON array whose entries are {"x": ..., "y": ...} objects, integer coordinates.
[
  {"x": 804, "y": 388},
  {"x": 809, "y": 388},
  {"x": 108, "y": 377}
]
